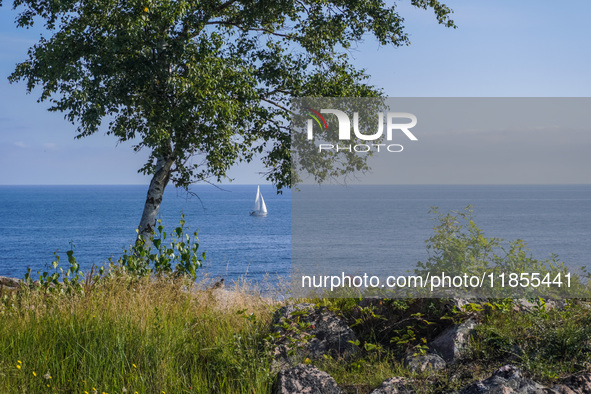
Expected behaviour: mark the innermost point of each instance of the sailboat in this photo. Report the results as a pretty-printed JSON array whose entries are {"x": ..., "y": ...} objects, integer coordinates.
[{"x": 260, "y": 209}]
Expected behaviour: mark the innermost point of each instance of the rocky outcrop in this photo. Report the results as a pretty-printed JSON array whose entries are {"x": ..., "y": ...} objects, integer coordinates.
[
  {"x": 10, "y": 282},
  {"x": 303, "y": 379},
  {"x": 424, "y": 362},
  {"x": 305, "y": 331},
  {"x": 394, "y": 385},
  {"x": 453, "y": 341},
  {"x": 507, "y": 379},
  {"x": 575, "y": 384}
]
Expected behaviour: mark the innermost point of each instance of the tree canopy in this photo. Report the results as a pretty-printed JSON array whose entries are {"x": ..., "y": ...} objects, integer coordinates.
[
  {"x": 210, "y": 78},
  {"x": 202, "y": 84}
]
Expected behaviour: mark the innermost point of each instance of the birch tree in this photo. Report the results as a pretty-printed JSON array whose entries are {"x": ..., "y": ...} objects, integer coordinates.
[{"x": 200, "y": 84}]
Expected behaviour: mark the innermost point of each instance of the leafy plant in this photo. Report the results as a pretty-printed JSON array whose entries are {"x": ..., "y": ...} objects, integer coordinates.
[
  {"x": 458, "y": 247},
  {"x": 177, "y": 258},
  {"x": 64, "y": 281}
]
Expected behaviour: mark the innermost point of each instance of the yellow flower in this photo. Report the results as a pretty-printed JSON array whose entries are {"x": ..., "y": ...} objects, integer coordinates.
[
  {"x": 18, "y": 366},
  {"x": 133, "y": 365},
  {"x": 146, "y": 9},
  {"x": 34, "y": 373},
  {"x": 86, "y": 392},
  {"x": 19, "y": 361}
]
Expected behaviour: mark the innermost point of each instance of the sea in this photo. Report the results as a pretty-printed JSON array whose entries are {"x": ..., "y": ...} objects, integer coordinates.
[
  {"x": 383, "y": 229},
  {"x": 98, "y": 222}
]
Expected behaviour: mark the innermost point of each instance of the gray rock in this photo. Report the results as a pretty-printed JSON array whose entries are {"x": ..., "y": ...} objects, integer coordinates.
[
  {"x": 525, "y": 305},
  {"x": 10, "y": 282},
  {"x": 323, "y": 333},
  {"x": 575, "y": 384},
  {"x": 394, "y": 385},
  {"x": 453, "y": 341},
  {"x": 304, "y": 379},
  {"x": 424, "y": 362},
  {"x": 505, "y": 380}
]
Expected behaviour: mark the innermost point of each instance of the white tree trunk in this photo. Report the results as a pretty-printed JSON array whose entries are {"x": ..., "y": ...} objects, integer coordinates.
[{"x": 154, "y": 198}]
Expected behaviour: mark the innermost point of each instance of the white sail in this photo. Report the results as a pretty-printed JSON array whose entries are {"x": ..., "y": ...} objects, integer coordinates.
[
  {"x": 263, "y": 206},
  {"x": 260, "y": 209}
]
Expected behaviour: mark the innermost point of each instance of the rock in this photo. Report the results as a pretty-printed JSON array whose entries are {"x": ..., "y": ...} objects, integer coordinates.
[
  {"x": 525, "y": 305},
  {"x": 453, "y": 341},
  {"x": 10, "y": 282},
  {"x": 424, "y": 362},
  {"x": 393, "y": 386},
  {"x": 322, "y": 333},
  {"x": 305, "y": 379},
  {"x": 575, "y": 384},
  {"x": 505, "y": 380}
]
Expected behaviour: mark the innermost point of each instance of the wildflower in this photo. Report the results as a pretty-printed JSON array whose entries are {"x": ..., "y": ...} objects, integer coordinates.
[
  {"x": 133, "y": 365},
  {"x": 34, "y": 373},
  {"x": 18, "y": 366},
  {"x": 146, "y": 9},
  {"x": 19, "y": 361}
]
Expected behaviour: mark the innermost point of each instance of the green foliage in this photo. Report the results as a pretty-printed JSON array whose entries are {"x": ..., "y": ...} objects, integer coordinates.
[
  {"x": 547, "y": 342},
  {"x": 183, "y": 78},
  {"x": 68, "y": 281},
  {"x": 292, "y": 332},
  {"x": 394, "y": 326},
  {"x": 458, "y": 247},
  {"x": 177, "y": 258}
]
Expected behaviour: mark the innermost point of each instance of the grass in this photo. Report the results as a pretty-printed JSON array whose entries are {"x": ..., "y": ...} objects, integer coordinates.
[
  {"x": 131, "y": 336},
  {"x": 155, "y": 336}
]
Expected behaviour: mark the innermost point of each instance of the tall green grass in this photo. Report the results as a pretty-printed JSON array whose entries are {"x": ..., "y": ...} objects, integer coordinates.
[{"x": 145, "y": 336}]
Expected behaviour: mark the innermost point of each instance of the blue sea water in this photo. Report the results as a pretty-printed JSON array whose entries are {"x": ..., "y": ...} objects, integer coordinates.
[
  {"x": 100, "y": 221},
  {"x": 382, "y": 228}
]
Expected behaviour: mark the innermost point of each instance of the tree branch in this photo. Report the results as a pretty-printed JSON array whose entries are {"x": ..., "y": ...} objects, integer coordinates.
[{"x": 235, "y": 24}]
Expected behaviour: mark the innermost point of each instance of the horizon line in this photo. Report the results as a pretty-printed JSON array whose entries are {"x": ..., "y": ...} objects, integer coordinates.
[{"x": 308, "y": 184}]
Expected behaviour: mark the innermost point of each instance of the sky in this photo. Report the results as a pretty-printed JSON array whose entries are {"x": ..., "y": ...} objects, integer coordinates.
[{"x": 501, "y": 48}]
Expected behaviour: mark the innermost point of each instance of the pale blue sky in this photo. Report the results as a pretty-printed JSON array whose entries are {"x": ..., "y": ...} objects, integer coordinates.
[{"x": 502, "y": 48}]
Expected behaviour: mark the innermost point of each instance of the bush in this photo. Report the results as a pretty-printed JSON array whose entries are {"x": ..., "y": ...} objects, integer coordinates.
[{"x": 459, "y": 247}]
